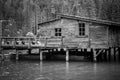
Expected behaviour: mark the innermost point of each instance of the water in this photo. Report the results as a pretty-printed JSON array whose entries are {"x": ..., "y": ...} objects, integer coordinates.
[{"x": 58, "y": 70}]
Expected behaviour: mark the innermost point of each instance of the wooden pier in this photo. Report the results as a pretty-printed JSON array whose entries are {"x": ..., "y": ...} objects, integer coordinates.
[{"x": 28, "y": 43}]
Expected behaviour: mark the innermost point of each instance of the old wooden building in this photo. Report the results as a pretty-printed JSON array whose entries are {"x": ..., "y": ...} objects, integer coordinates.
[
  {"x": 70, "y": 36},
  {"x": 71, "y": 32}
]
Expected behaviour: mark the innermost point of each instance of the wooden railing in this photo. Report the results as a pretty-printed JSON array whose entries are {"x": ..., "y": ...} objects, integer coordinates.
[{"x": 30, "y": 42}]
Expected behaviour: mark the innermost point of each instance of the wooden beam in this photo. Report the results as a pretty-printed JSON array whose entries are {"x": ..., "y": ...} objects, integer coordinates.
[{"x": 99, "y": 52}]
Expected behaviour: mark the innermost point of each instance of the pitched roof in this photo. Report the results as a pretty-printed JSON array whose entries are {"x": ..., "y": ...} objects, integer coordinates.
[
  {"x": 49, "y": 21},
  {"x": 85, "y": 19}
]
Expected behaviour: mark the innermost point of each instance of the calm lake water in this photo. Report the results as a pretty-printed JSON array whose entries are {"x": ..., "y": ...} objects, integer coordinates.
[{"x": 58, "y": 70}]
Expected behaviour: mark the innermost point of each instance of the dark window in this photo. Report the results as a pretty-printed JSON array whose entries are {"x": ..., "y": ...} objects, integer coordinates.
[
  {"x": 58, "y": 32},
  {"x": 81, "y": 29}
]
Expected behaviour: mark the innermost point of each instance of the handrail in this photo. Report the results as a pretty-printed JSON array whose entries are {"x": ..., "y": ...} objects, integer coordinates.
[
  {"x": 17, "y": 38},
  {"x": 28, "y": 41}
]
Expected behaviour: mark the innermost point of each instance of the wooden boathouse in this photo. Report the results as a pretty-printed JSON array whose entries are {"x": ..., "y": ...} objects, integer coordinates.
[
  {"x": 72, "y": 33},
  {"x": 82, "y": 33}
]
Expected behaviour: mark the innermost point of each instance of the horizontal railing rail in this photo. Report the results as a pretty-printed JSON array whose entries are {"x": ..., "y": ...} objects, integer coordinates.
[{"x": 30, "y": 42}]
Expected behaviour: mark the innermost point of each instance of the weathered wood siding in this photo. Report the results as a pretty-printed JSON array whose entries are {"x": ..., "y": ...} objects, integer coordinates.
[
  {"x": 70, "y": 32},
  {"x": 98, "y": 36},
  {"x": 114, "y": 36},
  {"x": 47, "y": 31}
]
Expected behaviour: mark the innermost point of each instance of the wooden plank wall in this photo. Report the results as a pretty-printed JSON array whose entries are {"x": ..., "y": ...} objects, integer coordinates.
[
  {"x": 98, "y": 36},
  {"x": 114, "y": 36},
  {"x": 69, "y": 31}
]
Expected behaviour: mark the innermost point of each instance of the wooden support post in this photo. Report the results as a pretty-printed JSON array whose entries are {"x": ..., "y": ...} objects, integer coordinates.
[
  {"x": 2, "y": 51},
  {"x": 94, "y": 55},
  {"x": 67, "y": 55},
  {"x": 29, "y": 51},
  {"x": 100, "y": 57},
  {"x": 109, "y": 54},
  {"x": 17, "y": 55},
  {"x": 91, "y": 55},
  {"x": 119, "y": 53},
  {"x": 114, "y": 54},
  {"x": 41, "y": 55},
  {"x": 105, "y": 55}
]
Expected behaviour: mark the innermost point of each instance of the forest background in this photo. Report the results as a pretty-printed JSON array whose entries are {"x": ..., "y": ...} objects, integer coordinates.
[{"x": 22, "y": 16}]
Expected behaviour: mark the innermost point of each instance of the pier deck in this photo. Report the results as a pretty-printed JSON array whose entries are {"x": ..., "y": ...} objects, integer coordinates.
[{"x": 46, "y": 45}]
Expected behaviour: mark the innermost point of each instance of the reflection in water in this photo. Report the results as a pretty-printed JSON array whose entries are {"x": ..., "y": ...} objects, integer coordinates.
[
  {"x": 95, "y": 67},
  {"x": 67, "y": 70},
  {"x": 57, "y": 70},
  {"x": 41, "y": 66},
  {"x": 67, "y": 67}
]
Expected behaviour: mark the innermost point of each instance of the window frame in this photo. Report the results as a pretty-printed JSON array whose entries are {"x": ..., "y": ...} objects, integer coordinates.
[
  {"x": 58, "y": 32},
  {"x": 81, "y": 29}
]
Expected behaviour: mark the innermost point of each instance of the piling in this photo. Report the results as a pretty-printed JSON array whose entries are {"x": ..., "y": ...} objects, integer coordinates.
[
  {"x": 105, "y": 55},
  {"x": 109, "y": 54},
  {"x": 17, "y": 55},
  {"x": 41, "y": 55},
  {"x": 91, "y": 55},
  {"x": 94, "y": 55},
  {"x": 119, "y": 53},
  {"x": 107, "y": 51},
  {"x": 114, "y": 54},
  {"x": 67, "y": 55},
  {"x": 99, "y": 57}
]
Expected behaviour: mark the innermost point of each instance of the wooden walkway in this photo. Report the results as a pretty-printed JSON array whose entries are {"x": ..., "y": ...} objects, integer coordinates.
[{"x": 49, "y": 45}]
